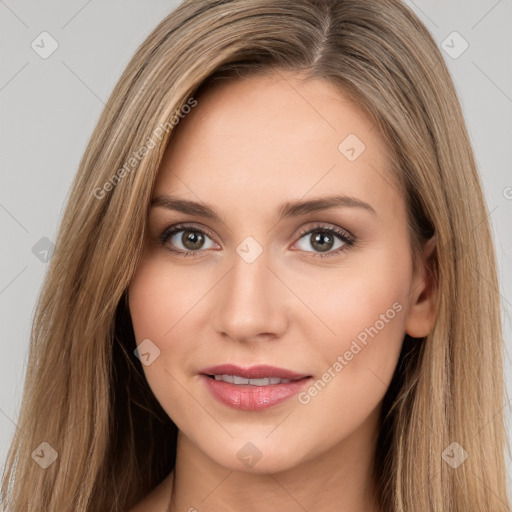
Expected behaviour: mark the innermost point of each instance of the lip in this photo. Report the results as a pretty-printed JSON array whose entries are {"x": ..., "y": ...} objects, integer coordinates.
[
  {"x": 253, "y": 372},
  {"x": 247, "y": 397}
]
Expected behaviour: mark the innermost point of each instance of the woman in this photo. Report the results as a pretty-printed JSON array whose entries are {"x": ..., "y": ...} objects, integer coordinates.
[{"x": 268, "y": 290}]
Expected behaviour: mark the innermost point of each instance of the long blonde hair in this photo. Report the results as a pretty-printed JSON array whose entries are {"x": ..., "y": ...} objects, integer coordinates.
[{"x": 85, "y": 393}]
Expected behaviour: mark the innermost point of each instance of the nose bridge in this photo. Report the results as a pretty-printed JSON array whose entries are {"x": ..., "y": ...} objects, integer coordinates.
[{"x": 248, "y": 303}]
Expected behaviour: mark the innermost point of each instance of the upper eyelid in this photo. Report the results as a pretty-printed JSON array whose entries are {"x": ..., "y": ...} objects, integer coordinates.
[
  {"x": 327, "y": 227},
  {"x": 182, "y": 226}
]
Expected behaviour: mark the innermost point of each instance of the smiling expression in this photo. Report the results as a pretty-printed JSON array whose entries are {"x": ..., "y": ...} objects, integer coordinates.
[{"x": 268, "y": 243}]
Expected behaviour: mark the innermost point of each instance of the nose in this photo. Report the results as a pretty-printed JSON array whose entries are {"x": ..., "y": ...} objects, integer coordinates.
[{"x": 250, "y": 302}]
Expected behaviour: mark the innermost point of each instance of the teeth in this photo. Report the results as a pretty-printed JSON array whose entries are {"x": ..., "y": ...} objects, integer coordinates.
[{"x": 235, "y": 379}]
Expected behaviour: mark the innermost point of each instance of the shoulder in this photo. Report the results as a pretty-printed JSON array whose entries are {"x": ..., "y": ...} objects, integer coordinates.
[{"x": 157, "y": 500}]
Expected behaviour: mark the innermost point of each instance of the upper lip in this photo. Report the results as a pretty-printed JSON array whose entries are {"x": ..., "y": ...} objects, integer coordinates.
[{"x": 253, "y": 372}]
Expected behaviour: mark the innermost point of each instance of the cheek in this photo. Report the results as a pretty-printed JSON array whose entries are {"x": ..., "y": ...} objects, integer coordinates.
[
  {"x": 160, "y": 299},
  {"x": 365, "y": 300},
  {"x": 159, "y": 302},
  {"x": 363, "y": 312},
  {"x": 370, "y": 315}
]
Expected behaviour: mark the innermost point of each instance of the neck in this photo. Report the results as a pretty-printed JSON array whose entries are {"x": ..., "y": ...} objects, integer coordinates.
[{"x": 340, "y": 478}]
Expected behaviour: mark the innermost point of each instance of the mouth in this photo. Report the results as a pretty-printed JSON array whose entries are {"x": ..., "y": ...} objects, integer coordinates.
[{"x": 253, "y": 388}]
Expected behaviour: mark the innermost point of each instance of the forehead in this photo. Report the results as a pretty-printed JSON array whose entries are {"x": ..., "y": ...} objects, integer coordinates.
[{"x": 275, "y": 135}]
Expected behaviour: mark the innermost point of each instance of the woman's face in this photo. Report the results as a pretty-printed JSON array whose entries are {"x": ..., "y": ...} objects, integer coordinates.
[{"x": 266, "y": 281}]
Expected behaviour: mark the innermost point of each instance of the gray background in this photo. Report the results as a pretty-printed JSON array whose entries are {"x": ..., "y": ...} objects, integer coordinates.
[{"x": 50, "y": 106}]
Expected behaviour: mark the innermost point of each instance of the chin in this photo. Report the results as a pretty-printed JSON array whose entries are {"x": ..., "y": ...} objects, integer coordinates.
[{"x": 259, "y": 456}]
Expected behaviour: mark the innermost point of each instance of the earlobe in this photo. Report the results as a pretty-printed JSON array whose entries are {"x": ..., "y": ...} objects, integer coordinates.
[{"x": 421, "y": 315}]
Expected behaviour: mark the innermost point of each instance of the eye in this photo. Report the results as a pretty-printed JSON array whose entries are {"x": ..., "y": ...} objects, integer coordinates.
[
  {"x": 324, "y": 240},
  {"x": 191, "y": 239}
]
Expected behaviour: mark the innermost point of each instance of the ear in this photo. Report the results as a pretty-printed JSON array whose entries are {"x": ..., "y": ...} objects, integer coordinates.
[{"x": 421, "y": 315}]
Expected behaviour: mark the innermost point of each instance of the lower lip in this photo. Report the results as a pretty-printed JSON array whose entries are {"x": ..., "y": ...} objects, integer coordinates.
[{"x": 253, "y": 398}]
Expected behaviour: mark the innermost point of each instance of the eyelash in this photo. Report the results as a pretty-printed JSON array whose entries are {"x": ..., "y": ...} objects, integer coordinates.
[{"x": 347, "y": 239}]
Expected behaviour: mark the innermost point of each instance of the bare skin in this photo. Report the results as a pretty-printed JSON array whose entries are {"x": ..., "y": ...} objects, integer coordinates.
[{"x": 248, "y": 147}]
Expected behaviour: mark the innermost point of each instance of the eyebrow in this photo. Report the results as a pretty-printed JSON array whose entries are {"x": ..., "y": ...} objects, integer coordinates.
[{"x": 287, "y": 210}]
